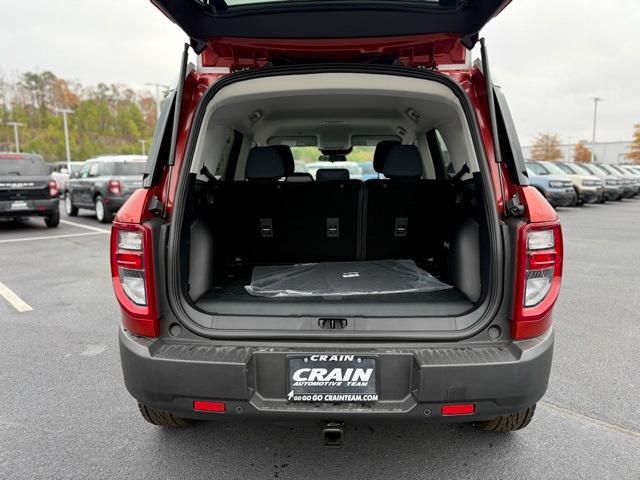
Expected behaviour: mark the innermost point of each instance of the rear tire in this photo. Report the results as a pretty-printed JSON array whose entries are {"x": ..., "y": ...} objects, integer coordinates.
[
  {"x": 161, "y": 418},
  {"x": 68, "y": 206},
  {"x": 53, "y": 220},
  {"x": 507, "y": 423},
  {"x": 103, "y": 214}
]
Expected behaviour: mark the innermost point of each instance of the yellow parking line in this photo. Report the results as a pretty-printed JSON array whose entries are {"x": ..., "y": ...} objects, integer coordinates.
[{"x": 15, "y": 301}]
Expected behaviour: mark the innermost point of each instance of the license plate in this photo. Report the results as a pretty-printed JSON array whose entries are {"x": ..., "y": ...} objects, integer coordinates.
[
  {"x": 332, "y": 378},
  {"x": 19, "y": 205}
]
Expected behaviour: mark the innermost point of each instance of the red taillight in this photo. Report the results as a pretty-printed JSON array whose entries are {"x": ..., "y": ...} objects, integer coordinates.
[
  {"x": 133, "y": 277},
  {"x": 115, "y": 187},
  {"x": 538, "y": 275},
  {"x": 53, "y": 188},
  {"x": 458, "y": 409},
  {"x": 205, "y": 406}
]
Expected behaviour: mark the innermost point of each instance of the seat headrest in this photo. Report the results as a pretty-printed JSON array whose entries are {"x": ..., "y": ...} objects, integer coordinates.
[
  {"x": 264, "y": 163},
  {"x": 403, "y": 162},
  {"x": 287, "y": 159},
  {"x": 299, "y": 177},
  {"x": 380, "y": 155},
  {"x": 325, "y": 174}
]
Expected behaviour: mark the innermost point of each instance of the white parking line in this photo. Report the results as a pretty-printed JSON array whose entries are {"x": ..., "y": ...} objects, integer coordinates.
[
  {"x": 588, "y": 418},
  {"x": 88, "y": 227},
  {"x": 15, "y": 301},
  {"x": 50, "y": 237}
]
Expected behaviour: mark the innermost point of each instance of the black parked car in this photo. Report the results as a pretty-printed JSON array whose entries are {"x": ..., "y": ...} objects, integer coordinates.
[
  {"x": 103, "y": 184},
  {"x": 26, "y": 188}
]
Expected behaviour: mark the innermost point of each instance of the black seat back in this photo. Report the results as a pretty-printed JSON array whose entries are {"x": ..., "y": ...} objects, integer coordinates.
[
  {"x": 405, "y": 214},
  {"x": 332, "y": 174},
  {"x": 322, "y": 220}
]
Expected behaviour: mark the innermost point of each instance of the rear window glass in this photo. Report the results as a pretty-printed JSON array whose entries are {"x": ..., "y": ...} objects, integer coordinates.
[
  {"x": 311, "y": 159},
  {"x": 33, "y": 166},
  {"x": 124, "y": 168}
]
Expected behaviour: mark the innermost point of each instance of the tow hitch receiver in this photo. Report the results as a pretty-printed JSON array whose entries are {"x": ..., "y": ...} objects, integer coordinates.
[{"x": 333, "y": 434}]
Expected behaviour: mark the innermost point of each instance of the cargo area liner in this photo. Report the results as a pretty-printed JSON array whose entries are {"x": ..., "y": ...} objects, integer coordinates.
[{"x": 275, "y": 325}]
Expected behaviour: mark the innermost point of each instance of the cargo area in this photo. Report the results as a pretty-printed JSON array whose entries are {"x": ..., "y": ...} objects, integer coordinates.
[{"x": 322, "y": 198}]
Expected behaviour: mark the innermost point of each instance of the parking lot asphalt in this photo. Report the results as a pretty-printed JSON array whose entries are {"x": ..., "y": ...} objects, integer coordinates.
[{"x": 65, "y": 413}]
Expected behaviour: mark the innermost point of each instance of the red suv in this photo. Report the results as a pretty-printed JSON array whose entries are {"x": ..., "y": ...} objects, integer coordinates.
[{"x": 252, "y": 288}]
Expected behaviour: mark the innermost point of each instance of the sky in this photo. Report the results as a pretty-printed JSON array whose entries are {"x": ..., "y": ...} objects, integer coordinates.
[{"x": 549, "y": 56}]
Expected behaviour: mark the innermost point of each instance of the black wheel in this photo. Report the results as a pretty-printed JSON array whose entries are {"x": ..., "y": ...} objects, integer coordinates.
[
  {"x": 507, "y": 423},
  {"x": 53, "y": 220},
  {"x": 68, "y": 206},
  {"x": 103, "y": 214},
  {"x": 160, "y": 418}
]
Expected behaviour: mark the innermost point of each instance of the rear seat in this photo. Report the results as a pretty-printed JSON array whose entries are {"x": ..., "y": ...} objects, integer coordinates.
[
  {"x": 405, "y": 215},
  {"x": 248, "y": 213},
  {"x": 267, "y": 221},
  {"x": 323, "y": 218}
]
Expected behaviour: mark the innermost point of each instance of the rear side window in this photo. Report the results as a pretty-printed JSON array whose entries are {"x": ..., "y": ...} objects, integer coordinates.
[
  {"x": 442, "y": 162},
  {"x": 124, "y": 168},
  {"x": 26, "y": 166}
]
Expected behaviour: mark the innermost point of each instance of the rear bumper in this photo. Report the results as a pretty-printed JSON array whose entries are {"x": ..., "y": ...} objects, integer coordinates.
[
  {"x": 114, "y": 203},
  {"x": 34, "y": 208},
  {"x": 413, "y": 382}
]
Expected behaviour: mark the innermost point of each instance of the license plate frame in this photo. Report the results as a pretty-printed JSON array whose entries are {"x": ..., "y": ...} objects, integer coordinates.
[{"x": 332, "y": 378}]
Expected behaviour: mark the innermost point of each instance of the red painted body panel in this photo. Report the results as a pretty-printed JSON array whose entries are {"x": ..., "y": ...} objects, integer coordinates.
[
  {"x": 537, "y": 207},
  {"x": 234, "y": 53},
  {"x": 416, "y": 50},
  {"x": 134, "y": 208}
]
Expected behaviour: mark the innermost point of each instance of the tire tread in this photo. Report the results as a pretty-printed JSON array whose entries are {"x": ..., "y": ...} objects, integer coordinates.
[
  {"x": 161, "y": 418},
  {"x": 508, "y": 423}
]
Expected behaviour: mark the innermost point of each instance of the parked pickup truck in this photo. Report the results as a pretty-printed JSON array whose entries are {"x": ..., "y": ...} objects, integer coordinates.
[
  {"x": 26, "y": 188},
  {"x": 103, "y": 184}
]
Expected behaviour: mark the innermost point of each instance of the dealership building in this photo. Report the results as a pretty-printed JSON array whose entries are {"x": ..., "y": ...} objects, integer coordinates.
[{"x": 605, "y": 152}]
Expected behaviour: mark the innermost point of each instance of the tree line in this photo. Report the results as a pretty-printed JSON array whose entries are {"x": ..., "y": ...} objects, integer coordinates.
[
  {"x": 546, "y": 146},
  {"x": 106, "y": 119}
]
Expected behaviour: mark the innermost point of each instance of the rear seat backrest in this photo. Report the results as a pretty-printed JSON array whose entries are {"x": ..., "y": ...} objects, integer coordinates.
[
  {"x": 250, "y": 212},
  {"x": 267, "y": 221},
  {"x": 329, "y": 174},
  {"x": 405, "y": 215},
  {"x": 323, "y": 220}
]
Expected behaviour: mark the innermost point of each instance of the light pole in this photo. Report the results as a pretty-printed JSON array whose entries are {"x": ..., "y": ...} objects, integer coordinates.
[
  {"x": 65, "y": 112},
  {"x": 569, "y": 150},
  {"x": 16, "y": 135},
  {"x": 143, "y": 144},
  {"x": 158, "y": 99},
  {"x": 595, "y": 118}
]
